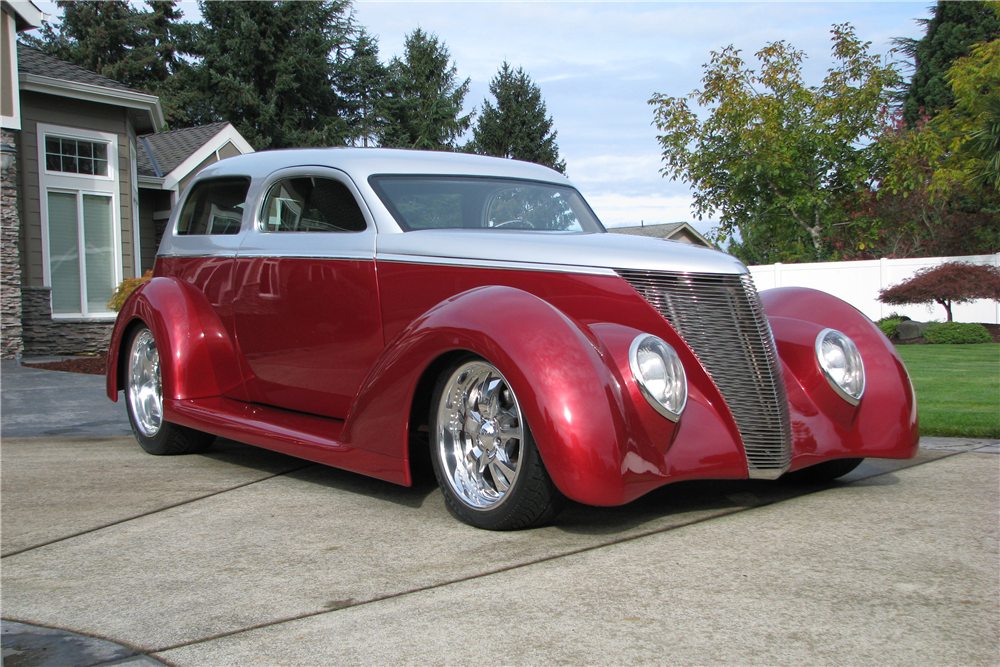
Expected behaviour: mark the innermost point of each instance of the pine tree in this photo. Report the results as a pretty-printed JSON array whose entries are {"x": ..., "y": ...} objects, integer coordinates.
[
  {"x": 517, "y": 127},
  {"x": 271, "y": 69},
  {"x": 146, "y": 50},
  {"x": 424, "y": 103},
  {"x": 362, "y": 82},
  {"x": 952, "y": 31}
]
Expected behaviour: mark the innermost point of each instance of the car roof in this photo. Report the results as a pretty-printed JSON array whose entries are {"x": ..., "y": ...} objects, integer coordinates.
[{"x": 360, "y": 163}]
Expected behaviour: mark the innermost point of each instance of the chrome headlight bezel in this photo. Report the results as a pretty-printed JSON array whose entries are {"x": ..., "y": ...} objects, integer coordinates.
[
  {"x": 849, "y": 380},
  {"x": 670, "y": 399}
]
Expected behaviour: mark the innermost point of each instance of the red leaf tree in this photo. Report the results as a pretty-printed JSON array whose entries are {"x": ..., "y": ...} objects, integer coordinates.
[{"x": 948, "y": 283}]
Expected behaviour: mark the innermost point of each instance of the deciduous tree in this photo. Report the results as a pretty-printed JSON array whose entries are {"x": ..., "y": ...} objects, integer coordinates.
[
  {"x": 518, "y": 127},
  {"x": 776, "y": 159},
  {"x": 946, "y": 284}
]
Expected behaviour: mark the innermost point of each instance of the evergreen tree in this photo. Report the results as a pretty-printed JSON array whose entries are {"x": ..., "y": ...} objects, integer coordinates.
[
  {"x": 424, "y": 103},
  {"x": 142, "y": 49},
  {"x": 952, "y": 31},
  {"x": 517, "y": 127},
  {"x": 271, "y": 69},
  {"x": 362, "y": 82}
]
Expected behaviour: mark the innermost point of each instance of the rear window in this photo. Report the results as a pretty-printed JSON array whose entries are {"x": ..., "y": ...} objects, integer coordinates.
[{"x": 214, "y": 206}]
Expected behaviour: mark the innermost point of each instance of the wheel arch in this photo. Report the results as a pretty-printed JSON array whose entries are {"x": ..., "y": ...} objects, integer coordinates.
[
  {"x": 559, "y": 376},
  {"x": 197, "y": 356}
]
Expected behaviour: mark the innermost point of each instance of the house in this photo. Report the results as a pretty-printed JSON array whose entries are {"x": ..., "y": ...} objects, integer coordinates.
[
  {"x": 673, "y": 231},
  {"x": 88, "y": 184}
]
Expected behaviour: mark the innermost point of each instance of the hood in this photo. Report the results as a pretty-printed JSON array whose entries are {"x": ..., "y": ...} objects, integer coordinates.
[{"x": 553, "y": 251}]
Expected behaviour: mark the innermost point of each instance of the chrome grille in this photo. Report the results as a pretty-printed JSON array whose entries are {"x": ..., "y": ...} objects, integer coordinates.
[{"x": 721, "y": 317}]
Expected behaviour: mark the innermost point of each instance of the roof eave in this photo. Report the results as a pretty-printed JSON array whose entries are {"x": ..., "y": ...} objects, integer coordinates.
[
  {"x": 85, "y": 91},
  {"x": 26, "y": 15}
]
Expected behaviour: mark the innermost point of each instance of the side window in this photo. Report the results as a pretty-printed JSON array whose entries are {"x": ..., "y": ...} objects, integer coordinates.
[
  {"x": 214, "y": 207},
  {"x": 311, "y": 204}
]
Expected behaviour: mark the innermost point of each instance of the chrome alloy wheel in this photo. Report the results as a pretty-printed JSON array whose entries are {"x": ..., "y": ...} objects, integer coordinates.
[
  {"x": 480, "y": 435},
  {"x": 144, "y": 389}
]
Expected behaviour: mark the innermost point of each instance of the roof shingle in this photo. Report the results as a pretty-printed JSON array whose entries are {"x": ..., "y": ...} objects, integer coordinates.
[
  {"x": 32, "y": 61},
  {"x": 171, "y": 148}
]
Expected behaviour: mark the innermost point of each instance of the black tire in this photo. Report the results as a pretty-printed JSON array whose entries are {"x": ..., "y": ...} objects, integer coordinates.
[
  {"x": 822, "y": 472},
  {"x": 144, "y": 400},
  {"x": 532, "y": 498}
]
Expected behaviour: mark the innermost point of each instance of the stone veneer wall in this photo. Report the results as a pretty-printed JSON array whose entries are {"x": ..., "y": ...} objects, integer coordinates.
[
  {"x": 10, "y": 260},
  {"x": 44, "y": 336}
]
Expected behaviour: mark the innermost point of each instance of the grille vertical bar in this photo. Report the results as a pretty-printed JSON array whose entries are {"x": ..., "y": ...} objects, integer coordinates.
[{"x": 721, "y": 317}]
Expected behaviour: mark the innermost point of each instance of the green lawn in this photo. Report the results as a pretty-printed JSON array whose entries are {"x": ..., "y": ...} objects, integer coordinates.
[{"x": 958, "y": 388}]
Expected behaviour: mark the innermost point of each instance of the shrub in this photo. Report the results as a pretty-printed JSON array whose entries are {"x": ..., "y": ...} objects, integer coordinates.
[
  {"x": 954, "y": 333},
  {"x": 889, "y": 323},
  {"x": 125, "y": 288},
  {"x": 888, "y": 326}
]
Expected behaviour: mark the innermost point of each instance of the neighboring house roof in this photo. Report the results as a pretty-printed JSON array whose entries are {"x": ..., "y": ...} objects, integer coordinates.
[
  {"x": 42, "y": 73},
  {"x": 161, "y": 153},
  {"x": 32, "y": 61},
  {"x": 674, "y": 231},
  {"x": 164, "y": 159}
]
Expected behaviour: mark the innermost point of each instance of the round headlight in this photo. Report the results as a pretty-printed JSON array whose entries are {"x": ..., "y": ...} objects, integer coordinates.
[
  {"x": 660, "y": 375},
  {"x": 841, "y": 363}
]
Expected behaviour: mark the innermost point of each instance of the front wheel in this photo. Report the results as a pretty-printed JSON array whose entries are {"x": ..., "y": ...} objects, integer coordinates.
[
  {"x": 144, "y": 398},
  {"x": 485, "y": 459}
]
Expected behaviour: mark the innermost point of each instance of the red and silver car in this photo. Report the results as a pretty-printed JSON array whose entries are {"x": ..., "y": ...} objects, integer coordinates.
[{"x": 354, "y": 306}]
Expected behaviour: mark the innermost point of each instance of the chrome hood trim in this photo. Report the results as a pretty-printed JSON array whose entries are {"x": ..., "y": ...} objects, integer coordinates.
[{"x": 551, "y": 251}]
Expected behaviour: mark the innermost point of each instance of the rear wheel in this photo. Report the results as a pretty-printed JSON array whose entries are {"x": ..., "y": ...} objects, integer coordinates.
[
  {"x": 822, "y": 472},
  {"x": 484, "y": 457},
  {"x": 144, "y": 398}
]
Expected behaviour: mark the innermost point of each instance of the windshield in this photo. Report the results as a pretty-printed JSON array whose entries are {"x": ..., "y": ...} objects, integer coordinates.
[{"x": 462, "y": 202}]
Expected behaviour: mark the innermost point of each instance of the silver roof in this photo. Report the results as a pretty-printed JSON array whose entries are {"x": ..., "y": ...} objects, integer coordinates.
[
  {"x": 553, "y": 251},
  {"x": 360, "y": 163}
]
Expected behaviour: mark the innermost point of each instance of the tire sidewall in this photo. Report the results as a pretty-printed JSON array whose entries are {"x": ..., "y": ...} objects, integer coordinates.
[{"x": 508, "y": 513}]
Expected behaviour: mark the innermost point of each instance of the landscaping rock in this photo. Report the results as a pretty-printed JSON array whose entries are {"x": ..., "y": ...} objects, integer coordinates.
[{"x": 909, "y": 329}]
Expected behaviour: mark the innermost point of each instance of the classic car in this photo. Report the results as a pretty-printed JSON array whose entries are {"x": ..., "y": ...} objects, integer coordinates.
[{"x": 357, "y": 307}]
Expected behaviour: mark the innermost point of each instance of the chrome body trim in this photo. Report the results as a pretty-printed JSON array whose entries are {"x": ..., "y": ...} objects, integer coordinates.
[
  {"x": 721, "y": 318},
  {"x": 493, "y": 264}
]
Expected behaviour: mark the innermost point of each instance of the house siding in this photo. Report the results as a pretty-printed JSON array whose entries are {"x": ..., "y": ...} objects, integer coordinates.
[{"x": 42, "y": 335}]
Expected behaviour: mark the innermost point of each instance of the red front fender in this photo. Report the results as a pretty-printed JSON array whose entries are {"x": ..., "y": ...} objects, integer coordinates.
[
  {"x": 824, "y": 426},
  {"x": 567, "y": 392},
  {"x": 197, "y": 356}
]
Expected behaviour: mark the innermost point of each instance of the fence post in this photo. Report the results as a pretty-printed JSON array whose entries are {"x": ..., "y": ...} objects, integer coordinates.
[
  {"x": 883, "y": 265},
  {"x": 777, "y": 274}
]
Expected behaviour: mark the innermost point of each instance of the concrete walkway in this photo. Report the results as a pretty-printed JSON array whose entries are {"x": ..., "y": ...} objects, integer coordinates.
[{"x": 246, "y": 557}]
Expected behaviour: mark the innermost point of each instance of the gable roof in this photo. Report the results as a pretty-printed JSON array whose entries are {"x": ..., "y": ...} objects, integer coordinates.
[
  {"x": 42, "y": 73},
  {"x": 32, "y": 61},
  {"x": 161, "y": 153},
  {"x": 670, "y": 231},
  {"x": 656, "y": 231}
]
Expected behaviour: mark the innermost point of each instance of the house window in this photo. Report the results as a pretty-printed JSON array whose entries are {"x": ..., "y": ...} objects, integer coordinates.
[
  {"x": 75, "y": 156},
  {"x": 81, "y": 252},
  {"x": 81, "y": 219}
]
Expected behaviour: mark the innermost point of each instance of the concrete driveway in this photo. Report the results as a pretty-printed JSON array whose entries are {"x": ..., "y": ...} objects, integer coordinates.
[{"x": 246, "y": 557}]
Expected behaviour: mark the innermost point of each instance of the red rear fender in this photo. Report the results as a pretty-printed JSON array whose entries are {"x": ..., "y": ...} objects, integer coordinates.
[{"x": 197, "y": 357}]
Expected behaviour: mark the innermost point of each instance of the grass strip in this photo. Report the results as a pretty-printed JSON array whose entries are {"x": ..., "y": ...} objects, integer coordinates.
[{"x": 958, "y": 388}]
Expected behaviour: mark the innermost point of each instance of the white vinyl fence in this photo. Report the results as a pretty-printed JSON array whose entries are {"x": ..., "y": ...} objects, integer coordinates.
[{"x": 858, "y": 283}]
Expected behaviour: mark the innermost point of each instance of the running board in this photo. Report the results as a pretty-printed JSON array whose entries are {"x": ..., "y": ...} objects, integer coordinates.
[{"x": 294, "y": 433}]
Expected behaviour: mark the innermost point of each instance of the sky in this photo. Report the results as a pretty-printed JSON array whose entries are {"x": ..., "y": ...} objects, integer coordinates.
[{"x": 598, "y": 63}]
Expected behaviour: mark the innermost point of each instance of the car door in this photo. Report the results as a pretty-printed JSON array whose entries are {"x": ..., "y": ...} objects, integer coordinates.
[{"x": 306, "y": 306}]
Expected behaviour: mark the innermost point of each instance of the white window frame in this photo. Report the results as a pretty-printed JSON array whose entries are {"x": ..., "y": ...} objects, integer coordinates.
[{"x": 80, "y": 184}]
